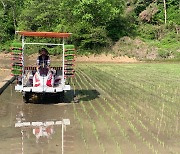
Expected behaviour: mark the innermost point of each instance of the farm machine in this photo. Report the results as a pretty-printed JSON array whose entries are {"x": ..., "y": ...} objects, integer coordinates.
[{"x": 42, "y": 81}]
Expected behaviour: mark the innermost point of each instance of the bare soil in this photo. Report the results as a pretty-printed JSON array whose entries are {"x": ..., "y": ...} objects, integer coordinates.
[
  {"x": 91, "y": 58},
  {"x": 5, "y": 61},
  {"x": 105, "y": 58},
  {"x": 134, "y": 48},
  {"x": 5, "y": 65},
  {"x": 94, "y": 58},
  {"x": 4, "y": 55},
  {"x": 4, "y": 73}
]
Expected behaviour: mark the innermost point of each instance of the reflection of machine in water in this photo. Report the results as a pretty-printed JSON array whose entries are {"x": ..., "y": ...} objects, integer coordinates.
[
  {"x": 43, "y": 131},
  {"x": 40, "y": 129}
]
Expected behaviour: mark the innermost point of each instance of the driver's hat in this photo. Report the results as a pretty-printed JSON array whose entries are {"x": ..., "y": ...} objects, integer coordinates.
[{"x": 45, "y": 50}]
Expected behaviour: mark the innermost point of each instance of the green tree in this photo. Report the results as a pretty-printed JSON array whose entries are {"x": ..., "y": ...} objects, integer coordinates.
[
  {"x": 92, "y": 17},
  {"x": 39, "y": 15},
  {"x": 9, "y": 11},
  {"x": 172, "y": 12}
]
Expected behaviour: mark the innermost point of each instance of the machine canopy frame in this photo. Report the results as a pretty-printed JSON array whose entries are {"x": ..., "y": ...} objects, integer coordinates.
[{"x": 44, "y": 34}]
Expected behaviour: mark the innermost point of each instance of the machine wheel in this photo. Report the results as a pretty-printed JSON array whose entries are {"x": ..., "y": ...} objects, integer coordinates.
[
  {"x": 61, "y": 96},
  {"x": 26, "y": 97}
]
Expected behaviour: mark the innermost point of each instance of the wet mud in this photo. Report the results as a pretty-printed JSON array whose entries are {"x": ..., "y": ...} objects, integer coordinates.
[{"x": 44, "y": 132}]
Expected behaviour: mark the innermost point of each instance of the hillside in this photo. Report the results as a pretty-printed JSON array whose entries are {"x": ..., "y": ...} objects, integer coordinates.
[{"x": 145, "y": 29}]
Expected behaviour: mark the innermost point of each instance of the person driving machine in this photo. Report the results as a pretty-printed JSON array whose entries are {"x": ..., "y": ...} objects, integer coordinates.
[
  {"x": 43, "y": 60},
  {"x": 43, "y": 70}
]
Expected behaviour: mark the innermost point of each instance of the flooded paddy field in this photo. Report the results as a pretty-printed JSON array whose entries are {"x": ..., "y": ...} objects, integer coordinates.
[
  {"x": 118, "y": 108},
  {"x": 31, "y": 139}
]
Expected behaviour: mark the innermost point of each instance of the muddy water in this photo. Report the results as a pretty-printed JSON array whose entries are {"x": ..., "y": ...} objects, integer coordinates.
[{"x": 33, "y": 139}]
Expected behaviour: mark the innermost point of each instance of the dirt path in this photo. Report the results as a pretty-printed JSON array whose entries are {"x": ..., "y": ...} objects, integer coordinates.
[
  {"x": 5, "y": 61},
  {"x": 105, "y": 58},
  {"x": 90, "y": 58},
  {"x": 94, "y": 58},
  {"x": 4, "y": 73}
]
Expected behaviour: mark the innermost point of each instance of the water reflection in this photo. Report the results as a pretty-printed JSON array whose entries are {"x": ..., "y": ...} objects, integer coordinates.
[
  {"x": 41, "y": 130},
  {"x": 44, "y": 138}
]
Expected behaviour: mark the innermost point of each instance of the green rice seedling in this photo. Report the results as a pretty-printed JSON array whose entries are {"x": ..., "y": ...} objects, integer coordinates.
[
  {"x": 132, "y": 93},
  {"x": 76, "y": 116},
  {"x": 104, "y": 121},
  {"x": 93, "y": 125},
  {"x": 115, "y": 110},
  {"x": 120, "y": 128}
]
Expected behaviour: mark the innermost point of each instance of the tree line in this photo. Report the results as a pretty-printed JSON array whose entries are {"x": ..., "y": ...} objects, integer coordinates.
[{"x": 95, "y": 24}]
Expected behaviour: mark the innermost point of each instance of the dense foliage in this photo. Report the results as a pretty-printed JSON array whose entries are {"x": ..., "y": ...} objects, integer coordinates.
[{"x": 95, "y": 24}]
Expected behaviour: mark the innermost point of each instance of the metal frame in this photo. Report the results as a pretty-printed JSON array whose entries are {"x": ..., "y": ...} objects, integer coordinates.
[
  {"x": 23, "y": 63},
  {"x": 43, "y": 43}
]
